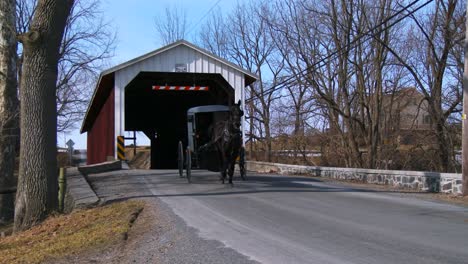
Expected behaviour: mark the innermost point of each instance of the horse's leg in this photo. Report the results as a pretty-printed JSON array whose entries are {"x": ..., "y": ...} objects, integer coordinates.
[
  {"x": 226, "y": 167},
  {"x": 222, "y": 170},
  {"x": 223, "y": 161},
  {"x": 242, "y": 163},
  {"x": 231, "y": 170},
  {"x": 221, "y": 165}
]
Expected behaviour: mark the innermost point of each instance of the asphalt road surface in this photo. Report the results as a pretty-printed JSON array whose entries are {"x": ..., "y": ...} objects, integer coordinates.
[{"x": 280, "y": 219}]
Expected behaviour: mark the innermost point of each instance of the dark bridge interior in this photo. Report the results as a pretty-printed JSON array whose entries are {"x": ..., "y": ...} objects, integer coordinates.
[{"x": 162, "y": 115}]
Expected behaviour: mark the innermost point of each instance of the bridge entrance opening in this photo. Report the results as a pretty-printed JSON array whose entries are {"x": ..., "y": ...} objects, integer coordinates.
[{"x": 156, "y": 103}]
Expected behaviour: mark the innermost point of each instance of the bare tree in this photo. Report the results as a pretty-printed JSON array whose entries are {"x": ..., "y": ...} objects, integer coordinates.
[
  {"x": 337, "y": 58},
  {"x": 37, "y": 183},
  {"x": 8, "y": 107},
  {"x": 213, "y": 35},
  {"x": 434, "y": 65},
  {"x": 296, "y": 120},
  {"x": 242, "y": 38},
  {"x": 87, "y": 44},
  {"x": 325, "y": 50},
  {"x": 251, "y": 47},
  {"x": 300, "y": 97},
  {"x": 172, "y": 26}
]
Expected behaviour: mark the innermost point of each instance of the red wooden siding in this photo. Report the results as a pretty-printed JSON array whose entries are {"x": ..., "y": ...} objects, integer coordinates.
[{"x": 101, "y": 136}]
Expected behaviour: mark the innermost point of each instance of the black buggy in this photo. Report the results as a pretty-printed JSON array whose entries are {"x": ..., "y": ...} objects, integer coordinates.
[{"x": 200, "y": 122}]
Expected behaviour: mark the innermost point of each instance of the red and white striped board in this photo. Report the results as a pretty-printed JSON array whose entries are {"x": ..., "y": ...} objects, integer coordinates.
[{"x": 179, "y": 88}]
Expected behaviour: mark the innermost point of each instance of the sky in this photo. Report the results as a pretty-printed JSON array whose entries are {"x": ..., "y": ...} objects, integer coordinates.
[{"x": 134, "y": 22}]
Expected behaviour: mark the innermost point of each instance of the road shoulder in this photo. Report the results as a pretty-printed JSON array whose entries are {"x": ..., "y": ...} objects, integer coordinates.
[
  {"x": 434, "y": 197},
  {"x": 160, "y": 236}
]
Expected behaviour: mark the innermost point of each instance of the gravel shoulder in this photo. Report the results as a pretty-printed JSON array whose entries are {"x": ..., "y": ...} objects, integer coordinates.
[{"x": 160, "y": 236}]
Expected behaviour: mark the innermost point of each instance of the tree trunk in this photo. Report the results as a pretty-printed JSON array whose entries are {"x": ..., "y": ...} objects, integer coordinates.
[
  {"x": 37, "y": 184},
  {"x": 8, "y": 106},
  {"x": 445, "y": 148},
  {"x": 252, "y": 142},
  {"x": 268, "y": 148}
]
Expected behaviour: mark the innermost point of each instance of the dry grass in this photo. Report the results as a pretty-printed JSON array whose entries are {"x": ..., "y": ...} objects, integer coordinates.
[{"x": 71, "y": 234}]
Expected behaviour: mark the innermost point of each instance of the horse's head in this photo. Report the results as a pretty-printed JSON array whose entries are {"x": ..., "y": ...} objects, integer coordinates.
[{"x": 235, "y": 115}]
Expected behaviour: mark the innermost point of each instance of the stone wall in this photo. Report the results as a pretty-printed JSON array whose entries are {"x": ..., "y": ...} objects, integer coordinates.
[{"x": 423, "y": 181}]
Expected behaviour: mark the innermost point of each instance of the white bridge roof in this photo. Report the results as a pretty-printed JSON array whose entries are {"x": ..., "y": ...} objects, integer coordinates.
[{"x": 180, "y": 56}]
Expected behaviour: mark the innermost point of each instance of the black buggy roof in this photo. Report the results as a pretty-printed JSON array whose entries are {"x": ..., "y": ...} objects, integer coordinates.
[{"x": 207, "y": 109}]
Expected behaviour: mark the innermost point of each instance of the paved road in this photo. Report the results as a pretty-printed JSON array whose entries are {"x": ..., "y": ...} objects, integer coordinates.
[{"x": 275, "y": 219}]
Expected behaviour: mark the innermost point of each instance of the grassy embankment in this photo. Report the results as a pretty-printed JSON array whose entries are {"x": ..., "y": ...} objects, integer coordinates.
[{"x": 64, "y": 235}]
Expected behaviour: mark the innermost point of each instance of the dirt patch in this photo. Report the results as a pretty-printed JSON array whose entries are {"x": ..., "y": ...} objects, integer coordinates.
[
  {"x": 143, "y": 244},
  {"x": 64, "y": 236},
  {"x": 142, "y": 159}
]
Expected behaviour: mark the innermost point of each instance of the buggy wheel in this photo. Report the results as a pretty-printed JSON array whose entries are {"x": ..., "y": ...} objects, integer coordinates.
[
  {"x": 180, "y": 159},
  {"x": 242, "y": 164},
  {"x": 188, "y": 164}
]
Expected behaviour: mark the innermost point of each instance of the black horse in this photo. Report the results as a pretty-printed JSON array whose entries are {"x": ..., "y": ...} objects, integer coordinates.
[{"x": 226, "y": 140}]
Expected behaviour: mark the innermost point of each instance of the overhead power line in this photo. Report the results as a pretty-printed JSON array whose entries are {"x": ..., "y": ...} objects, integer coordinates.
[
  {"x": 371, "y": 33},
  {"x": 203, "y": 17}
]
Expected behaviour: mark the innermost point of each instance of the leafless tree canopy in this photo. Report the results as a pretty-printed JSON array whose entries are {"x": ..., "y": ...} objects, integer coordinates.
[
  {"x": 172, "y": 26},
  {"x": 87, "y": 45},
  {"x": 373, "y": 84},
  {"x": 213, "y": 35},
  {"x": 241, "y": 37}
]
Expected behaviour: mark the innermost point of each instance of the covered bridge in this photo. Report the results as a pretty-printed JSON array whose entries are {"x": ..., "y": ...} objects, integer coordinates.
[{"x": 152, "y": 94}]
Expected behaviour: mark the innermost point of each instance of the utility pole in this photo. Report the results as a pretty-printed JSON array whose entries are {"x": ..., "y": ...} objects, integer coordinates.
[{"x": 464, "y": 115}]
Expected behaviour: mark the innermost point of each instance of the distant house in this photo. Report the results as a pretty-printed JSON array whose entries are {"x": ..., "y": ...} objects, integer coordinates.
[{"x": 406, "y": 109}]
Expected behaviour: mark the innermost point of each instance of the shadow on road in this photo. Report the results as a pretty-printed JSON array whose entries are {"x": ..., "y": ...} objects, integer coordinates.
[{"x": 122, "y": 185}]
